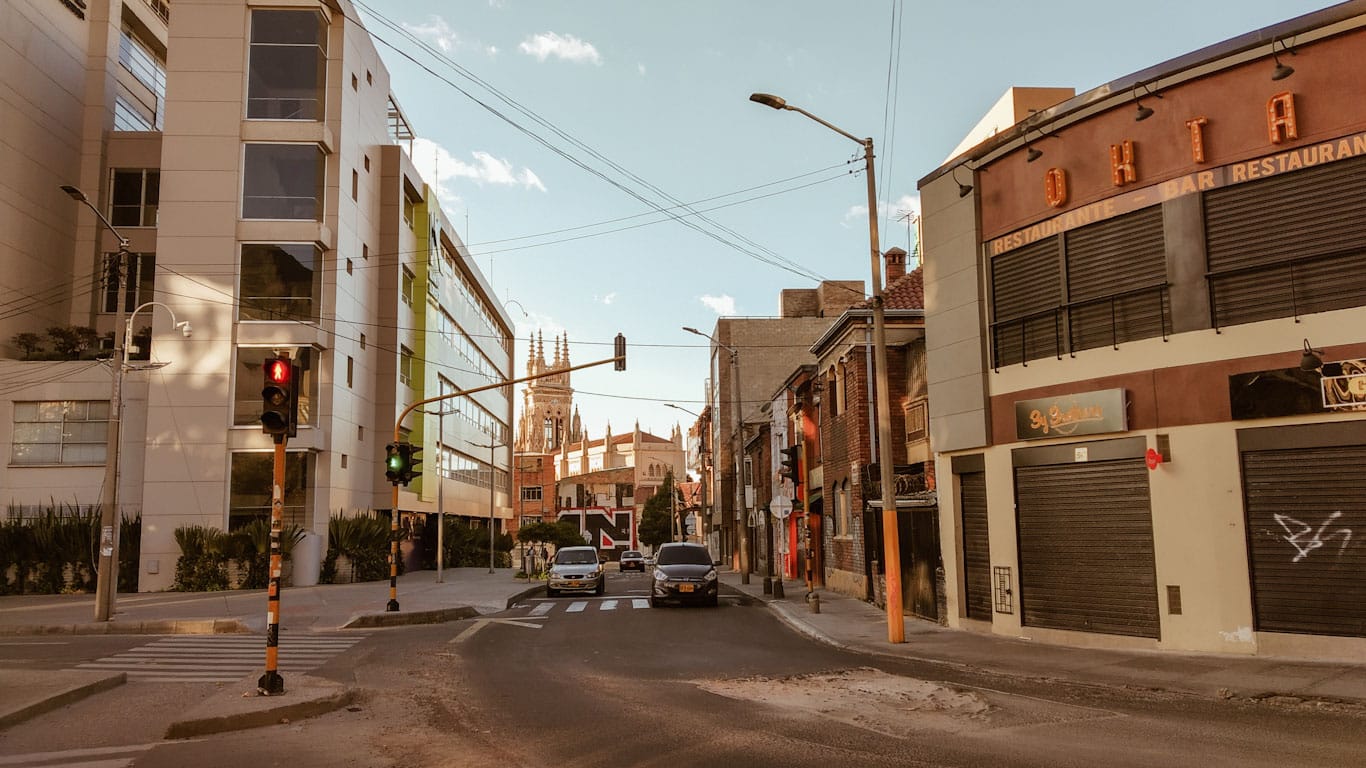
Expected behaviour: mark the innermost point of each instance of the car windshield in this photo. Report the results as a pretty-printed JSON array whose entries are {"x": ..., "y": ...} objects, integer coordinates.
[
  {"x": 629, "y": 555},
  {"x": 576, "y": 557},
  {"x": 683, "y": 556}
]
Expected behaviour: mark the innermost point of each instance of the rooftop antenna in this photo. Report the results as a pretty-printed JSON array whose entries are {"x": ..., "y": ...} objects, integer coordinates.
[{"x": 910, "y": 217}]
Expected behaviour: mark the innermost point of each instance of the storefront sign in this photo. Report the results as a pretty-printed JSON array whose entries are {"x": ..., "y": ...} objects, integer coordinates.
[
  {"x": 1083, "y": 413},
  {"x": 1344, "y": 385}
]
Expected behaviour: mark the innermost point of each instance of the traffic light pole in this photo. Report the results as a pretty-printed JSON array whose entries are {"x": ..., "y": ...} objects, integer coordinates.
[
  {"x": 619, "y": 359},
  {"x": 271, "y": 683}
]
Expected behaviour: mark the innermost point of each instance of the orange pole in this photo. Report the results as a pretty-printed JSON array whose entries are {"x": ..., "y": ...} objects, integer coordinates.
[{"x": 271, "y": 683}]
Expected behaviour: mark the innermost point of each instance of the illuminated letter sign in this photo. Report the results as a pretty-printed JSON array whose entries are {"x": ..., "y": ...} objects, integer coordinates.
[
  {"x": 1196, "y": 126},
  {"x": 1122, "y": 163},
  {"x": 1280, "y": 118},
  {"x": 1083, "y": 413},
  {"x": 1055, "y": 187}
]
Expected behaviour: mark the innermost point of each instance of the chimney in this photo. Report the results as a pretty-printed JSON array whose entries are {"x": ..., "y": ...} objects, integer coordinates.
[{"x": 896, "y": 264}]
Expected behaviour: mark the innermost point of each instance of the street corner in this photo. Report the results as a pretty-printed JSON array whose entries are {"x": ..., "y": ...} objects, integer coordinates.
[
  {"x": 242, "y": 706},
  {"x": 29, "y": 693}
]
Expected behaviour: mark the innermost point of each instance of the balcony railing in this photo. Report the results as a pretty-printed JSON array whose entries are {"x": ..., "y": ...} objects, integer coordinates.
[
  {"x": 160, "y": 8},
  {"x": 1073, "y": 325}
]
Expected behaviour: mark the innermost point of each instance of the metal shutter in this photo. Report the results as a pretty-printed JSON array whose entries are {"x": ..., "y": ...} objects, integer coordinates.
[
  {"x": 1086, "y": 548},
  {"x": 1306, "y": 523},
  {"x": 1317, "y": 214},
  {"x": 1117, "y": 256},
  {"x": 1025, "y": 284},
  {"x": 972, "y": 501}
]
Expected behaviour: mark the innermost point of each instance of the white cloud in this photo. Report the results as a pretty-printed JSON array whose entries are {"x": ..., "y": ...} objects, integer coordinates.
[
  {"x": 641, "y": 69},
  {"x": 608, "y": 299},
  {"x": 530, "y": 180},
  {"x": 889, "y": 211},
  {"x": 439, "y": 33},
  {"x": 566, "y": 47},
  {"x": 435, "y": 162},
  {"x": 721, "y": 305}
]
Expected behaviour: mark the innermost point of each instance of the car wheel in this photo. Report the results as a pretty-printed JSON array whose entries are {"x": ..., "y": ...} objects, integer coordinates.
[
  {"x": 602, "y": 585},
  {"x": 653, "y": 603},
  {"x": 550, "y": 592},
  {"x": 711, "y": 601}
]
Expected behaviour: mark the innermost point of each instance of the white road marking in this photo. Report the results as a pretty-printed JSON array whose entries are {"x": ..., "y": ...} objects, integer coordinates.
[
  {"x": 542, "y": 609},
  {"x": 637, "y": 602},
  {"x": 608, "y": 605},
  {"x": 481, "y": 623},
  {"x": 577, "y": 606}
]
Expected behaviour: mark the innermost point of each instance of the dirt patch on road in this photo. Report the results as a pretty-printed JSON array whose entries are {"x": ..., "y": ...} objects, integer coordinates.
[{"x": 866, "y": 698}]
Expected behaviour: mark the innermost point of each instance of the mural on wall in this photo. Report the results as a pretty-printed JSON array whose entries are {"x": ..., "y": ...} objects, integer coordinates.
[{"x": 612, "y": 531}]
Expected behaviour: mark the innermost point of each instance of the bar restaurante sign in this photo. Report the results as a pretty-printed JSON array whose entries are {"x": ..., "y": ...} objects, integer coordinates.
[{"x": 1082, "y": 413}]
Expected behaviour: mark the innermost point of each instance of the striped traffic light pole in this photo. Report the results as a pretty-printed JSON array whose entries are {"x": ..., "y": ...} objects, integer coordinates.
[{"x": 271, "y": 683}]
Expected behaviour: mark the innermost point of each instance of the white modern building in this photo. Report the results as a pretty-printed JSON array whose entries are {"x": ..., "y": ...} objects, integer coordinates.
[{"x": 254, "y": 158}]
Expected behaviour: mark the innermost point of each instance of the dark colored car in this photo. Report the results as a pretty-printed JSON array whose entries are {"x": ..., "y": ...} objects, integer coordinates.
[
  {"x": 683, "y": 573},
  {"x": 632, "y": 560}
]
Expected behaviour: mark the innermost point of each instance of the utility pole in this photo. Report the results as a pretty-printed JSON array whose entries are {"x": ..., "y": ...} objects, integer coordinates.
[{"x": 107, "y": 574}]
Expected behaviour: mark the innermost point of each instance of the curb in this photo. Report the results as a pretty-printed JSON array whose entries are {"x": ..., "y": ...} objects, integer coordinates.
[
  {"x": 528, "y": 592},
  {"x": 159, "y": 627},
  {"x": 399, "y": 619},
  {"x": 789, "y": 617},
  {"x": 275, "y": 715},
  {"x": 62, "y": 698}
]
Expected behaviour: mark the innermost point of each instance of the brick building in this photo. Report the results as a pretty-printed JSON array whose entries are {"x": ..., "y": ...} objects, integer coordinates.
[{"x": 851, "y": 534}]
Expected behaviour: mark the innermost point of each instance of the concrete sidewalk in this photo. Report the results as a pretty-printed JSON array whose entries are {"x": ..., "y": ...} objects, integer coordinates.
[
  {"x": 858, "y": 626},
  {"x": 464, "y": 592}
]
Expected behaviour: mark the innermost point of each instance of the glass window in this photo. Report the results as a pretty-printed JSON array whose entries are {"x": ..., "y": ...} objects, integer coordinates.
[
  {"x": 406, "y": 286},
  {"x": 247, "y": 387},
  {"x": 280, "y": 281},
  {"x": 405, "y": 365},
  {"x": 60, "y": 432},
  {"x": 531, "y": 493},
  {"x": 250, "y": 494},
  {"x": 140, "y": 95},
  {"x": 139, "y": 282},
  {"x": 133, "y": 197},
  {"x": 282, "y": 181},
  {"x": 288, "y": 69}
]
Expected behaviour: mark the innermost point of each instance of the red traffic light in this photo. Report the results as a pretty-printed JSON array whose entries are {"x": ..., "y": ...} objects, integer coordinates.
[{"x": 277, "y": 371}]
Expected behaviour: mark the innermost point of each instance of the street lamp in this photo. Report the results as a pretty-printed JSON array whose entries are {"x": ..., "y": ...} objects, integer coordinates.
[
  {"x": 702, "y": 510},
  {"x": 440, "y": 491},
  {"x": 896, "y": 630},
  {"x": 106, "y": 581},
  {"x": 737, "y": 437},
  {"x": 493, "y": 445}
]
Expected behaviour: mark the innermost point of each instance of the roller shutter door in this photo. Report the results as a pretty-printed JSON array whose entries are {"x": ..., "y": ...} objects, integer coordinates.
[
  {"x": 1306, "y": 523},
  {"x": 1086, "y": 548},
  {"x": 976, "y": 549}
]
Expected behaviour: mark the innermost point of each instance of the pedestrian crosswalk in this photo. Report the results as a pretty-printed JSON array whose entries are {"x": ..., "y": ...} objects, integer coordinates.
[
  {"x": 545, "y": 607},
  {"x": 220, "y": 658}
]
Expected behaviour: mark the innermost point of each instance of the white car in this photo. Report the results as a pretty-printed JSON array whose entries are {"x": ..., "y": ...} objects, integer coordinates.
[{"x": 576, "y": 569}]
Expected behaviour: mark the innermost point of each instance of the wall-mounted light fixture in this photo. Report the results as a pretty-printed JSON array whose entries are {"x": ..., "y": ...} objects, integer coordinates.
[
  {"x": 1312, "y": 359},
  {"x": 963, "y": 189},
  {"x": 1032, "y": 152},
  {"x": 1143, "y": 112},
  {"x": 1282, "y": 71}
]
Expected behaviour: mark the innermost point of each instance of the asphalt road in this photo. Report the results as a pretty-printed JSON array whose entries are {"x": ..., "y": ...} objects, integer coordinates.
[{"x": 589, "y": 681}]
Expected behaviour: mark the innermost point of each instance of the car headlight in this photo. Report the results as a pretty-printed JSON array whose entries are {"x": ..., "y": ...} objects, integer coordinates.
[
  {"x": 711, "y": 575},
  {"x": 660, "y": 575}
]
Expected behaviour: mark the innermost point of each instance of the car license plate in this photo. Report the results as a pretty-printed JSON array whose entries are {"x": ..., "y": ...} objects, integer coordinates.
[
  {"x": 685, "y": 587},
  {"x": 573, "y": 583}
]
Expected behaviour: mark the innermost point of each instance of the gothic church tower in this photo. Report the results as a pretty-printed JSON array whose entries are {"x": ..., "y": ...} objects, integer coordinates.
[{"x": 549, "y": 419}]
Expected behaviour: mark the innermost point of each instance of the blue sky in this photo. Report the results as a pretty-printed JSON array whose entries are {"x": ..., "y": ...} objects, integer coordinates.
[{"x": 654, "y": 97}]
